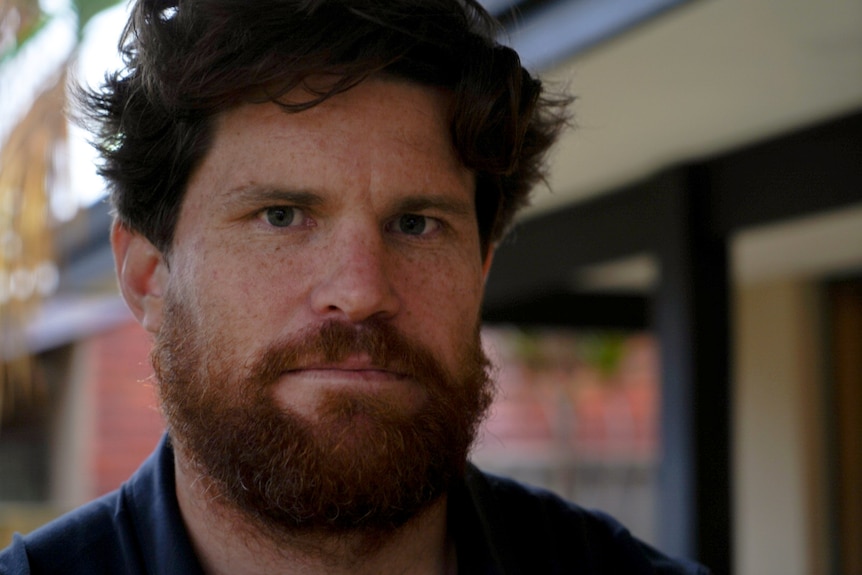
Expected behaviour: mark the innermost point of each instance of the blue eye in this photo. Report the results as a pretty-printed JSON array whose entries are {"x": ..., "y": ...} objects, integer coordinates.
[
  {"x": 412, "y": 224},
  {"x": 280, "y": 217}
]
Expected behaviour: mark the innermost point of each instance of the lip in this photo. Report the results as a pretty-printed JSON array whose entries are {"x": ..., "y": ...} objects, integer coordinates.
[
  {"x": 353, "y": 362},
  {"x": 299, "y": 388},
  {"x": 353, "y": 368},
  {"x": 341, "y": 372}
]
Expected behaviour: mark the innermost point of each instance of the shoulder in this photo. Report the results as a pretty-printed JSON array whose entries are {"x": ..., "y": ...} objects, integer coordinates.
[
  {"x": 87, "y": 540},
  {"x": 527, "y": 522},
  {"x": 137, "y": 529}
]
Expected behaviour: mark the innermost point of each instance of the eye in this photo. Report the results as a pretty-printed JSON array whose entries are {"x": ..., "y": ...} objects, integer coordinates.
[
  {"x": 415, "y": 225},
  {"x": 281, "y": 216}
]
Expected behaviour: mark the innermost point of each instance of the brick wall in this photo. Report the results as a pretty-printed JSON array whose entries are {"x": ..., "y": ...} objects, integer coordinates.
[
  {"x": 126, "y": 422},
  {"x": 574, "y": 408}
]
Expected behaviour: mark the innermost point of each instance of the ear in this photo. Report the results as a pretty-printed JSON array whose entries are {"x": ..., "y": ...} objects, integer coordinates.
[{"x": 142, "y": 273}]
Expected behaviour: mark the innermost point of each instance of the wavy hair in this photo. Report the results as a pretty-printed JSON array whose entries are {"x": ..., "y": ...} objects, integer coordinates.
[{"x": 186, "y": 61}]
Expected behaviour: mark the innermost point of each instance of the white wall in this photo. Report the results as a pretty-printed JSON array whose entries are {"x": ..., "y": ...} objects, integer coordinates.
[
  {"x": 71, "y": 435},
  {"x": 779, "y": 498}
]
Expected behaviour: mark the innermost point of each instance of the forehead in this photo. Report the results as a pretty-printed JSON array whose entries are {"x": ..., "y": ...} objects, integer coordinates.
[{"x": 381, "y": 132}]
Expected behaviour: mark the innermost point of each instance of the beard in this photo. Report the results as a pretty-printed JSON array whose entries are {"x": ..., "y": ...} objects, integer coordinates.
[{"x": 362, "y": 465}]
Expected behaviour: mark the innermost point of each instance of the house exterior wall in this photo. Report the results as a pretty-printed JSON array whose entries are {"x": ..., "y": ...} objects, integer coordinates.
[
  {"x": 128, "y": 424},
  {"x": 109, "y": 422},
  {"x": 779, "y": 483},
  {"x": 72, "y": 434}
]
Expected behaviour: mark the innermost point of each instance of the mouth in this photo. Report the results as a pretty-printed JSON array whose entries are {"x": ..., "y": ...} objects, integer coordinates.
[
  {"x": 335, "y": 373},
  {"x": 304, "y": 388},
  {"x": 355, "y": 367},
  {"x": 354, "y": 370}
]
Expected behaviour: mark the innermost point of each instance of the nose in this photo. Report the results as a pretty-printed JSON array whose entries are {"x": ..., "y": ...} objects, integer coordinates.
[{"x": 356, "y": 279}]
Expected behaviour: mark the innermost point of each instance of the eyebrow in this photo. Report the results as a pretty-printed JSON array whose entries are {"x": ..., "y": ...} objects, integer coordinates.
[
  {"x": 255, "y": 194},
  {"x": 419, "y": 203}
]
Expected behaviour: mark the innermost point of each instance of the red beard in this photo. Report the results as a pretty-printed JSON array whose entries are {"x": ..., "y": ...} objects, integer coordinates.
[{"x": 363, "y": 466}]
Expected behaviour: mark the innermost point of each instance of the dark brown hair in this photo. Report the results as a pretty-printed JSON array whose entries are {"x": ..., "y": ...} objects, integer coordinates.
[{"x": 188, "y": 60}]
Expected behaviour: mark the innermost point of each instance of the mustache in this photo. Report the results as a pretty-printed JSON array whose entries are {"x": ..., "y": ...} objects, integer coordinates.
[{"x": 334, "y": 341}]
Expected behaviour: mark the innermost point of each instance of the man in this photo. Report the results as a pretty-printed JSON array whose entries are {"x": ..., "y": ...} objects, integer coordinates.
[{"x": 308, "y": 194}]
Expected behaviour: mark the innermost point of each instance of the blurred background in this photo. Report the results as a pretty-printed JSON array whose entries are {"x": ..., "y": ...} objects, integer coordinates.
[{"x": 677, "y": 318}]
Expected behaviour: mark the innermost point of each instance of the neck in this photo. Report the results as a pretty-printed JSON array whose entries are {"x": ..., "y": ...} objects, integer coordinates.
[{"x": 226, "y": 541}]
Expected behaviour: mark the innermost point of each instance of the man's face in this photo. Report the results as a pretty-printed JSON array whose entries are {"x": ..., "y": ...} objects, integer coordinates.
[{"x": 321, "y": 306}]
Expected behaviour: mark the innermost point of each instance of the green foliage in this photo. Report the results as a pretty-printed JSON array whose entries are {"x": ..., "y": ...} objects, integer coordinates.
[
  {"x": 27, "y": 19},
  {"x": 86, "y": 9},
  {"x": 546, "y": 349},
  {"x": 604, "y": 351}
]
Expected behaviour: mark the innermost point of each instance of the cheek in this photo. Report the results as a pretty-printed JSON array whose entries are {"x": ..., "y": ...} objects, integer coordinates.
[
  {"x": 238, "y": 290},
  {"x": 442, "y": 306}
]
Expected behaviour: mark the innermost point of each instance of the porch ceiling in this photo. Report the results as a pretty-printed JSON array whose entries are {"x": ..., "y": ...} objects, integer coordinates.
[{"x": 702, "y": 79}]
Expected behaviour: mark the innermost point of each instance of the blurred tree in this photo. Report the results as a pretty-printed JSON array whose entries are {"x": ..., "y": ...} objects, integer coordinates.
[
  {"x": 19, "y": 20},
  {"x": 86, "y": 9},
  {"x": 32, "y": 166}
]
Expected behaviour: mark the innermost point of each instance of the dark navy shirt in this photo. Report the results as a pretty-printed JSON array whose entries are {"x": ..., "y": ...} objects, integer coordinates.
[{"x": 500, "y": 528}]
